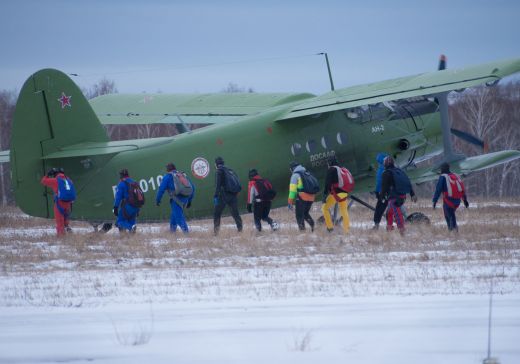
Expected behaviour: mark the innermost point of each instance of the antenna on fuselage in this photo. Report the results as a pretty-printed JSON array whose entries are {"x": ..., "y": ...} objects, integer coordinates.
[{"x": 328, "y": 69}]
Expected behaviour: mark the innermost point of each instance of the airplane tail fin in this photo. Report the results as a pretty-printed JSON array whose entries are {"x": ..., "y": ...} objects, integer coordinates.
[{"x": 51, "y": 113}]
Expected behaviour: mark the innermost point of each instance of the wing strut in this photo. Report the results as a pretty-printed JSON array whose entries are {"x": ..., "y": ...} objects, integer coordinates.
[{"x": 449, "y": 154}]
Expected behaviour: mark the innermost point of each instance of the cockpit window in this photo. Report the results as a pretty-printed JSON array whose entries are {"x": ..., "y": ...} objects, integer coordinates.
[{"x": 391, "y": 110}]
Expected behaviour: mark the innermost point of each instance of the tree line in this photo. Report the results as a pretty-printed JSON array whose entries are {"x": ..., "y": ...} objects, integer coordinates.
[{"x": 490, "y": 113}]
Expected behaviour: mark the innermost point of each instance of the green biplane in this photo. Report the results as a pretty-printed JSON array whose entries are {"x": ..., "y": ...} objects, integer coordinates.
[{"x": 55, "y": 126}]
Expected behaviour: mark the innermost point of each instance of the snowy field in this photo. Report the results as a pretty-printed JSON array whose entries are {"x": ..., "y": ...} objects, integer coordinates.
[{"x": 284, "y": 297}]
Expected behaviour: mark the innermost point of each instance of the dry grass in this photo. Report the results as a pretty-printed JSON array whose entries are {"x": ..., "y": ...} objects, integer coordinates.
[{"x": 28, "y": 244}]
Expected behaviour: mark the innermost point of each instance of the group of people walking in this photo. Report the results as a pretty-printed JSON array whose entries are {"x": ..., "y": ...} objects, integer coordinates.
[{"x": 392, "y": 187}]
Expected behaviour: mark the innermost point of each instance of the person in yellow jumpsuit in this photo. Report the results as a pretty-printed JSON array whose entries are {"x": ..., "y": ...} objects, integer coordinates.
[{"x": 333, "y": 195}]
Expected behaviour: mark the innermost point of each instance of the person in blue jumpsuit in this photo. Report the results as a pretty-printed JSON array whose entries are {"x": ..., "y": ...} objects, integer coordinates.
[
  {"x": 177, "y": 202},
  {"x": 126, "y": 214},
  {"x": 381, "y": 203}
]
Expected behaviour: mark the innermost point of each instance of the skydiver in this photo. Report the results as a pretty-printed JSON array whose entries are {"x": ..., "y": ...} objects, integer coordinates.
[
  {"x": 395, "y": 185},
  {"x": 126, "y": 203},
  {"x": 300, "y": 195},
  {"x": 181, "y": 191},
  {"x": 381, "y": 203},
  {"x": 260, "y": 193},
  {"x": 64, "y": 196},
  {"x": 453, "y": 191},
  {"x": 333, "y": 194},
  {"x": 227, "y": 187}
]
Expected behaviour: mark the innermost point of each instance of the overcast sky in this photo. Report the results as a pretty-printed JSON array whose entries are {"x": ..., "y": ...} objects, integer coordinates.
[{"x": 270, "y": 46}]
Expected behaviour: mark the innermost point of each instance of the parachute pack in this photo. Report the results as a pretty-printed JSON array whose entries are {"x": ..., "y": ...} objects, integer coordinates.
[
  {"x": 182, "y": 184},
  {"x": 66, "y": 190},
  {"x": 402, "y": 184},
  {"x": 454, "y": 186},
  {"x": 345, "y": 179},
  {"x": 265, "y": 189},
  {"x": 310, "y": 183},
  {"x": 231, "y": 183},
  {"x": 135, "y": 194}
]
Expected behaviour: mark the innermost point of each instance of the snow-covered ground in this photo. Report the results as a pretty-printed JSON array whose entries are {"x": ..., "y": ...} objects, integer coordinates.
[{"x": 284, "y": 297}]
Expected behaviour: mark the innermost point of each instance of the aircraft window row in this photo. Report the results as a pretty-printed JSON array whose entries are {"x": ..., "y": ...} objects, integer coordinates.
[{"x": 312, "y": 145}]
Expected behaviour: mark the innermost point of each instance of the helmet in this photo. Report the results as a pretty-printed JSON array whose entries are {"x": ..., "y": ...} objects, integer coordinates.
[
  {"x": 332, "y": 161},
  {"x": 123, "y": 173},
  {"x": 219, "y": 161},
  {"x": 445, "y": 168},
  {"x": 60, "y": 170},
  {"x": 388, "y": 162},
  {"x": 170, "y": 167},
  {"x": 252, "y": 173},
  {"x": 293, "y": 165}
]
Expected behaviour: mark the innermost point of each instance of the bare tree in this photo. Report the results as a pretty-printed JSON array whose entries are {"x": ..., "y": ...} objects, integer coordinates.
[
  {"x": 7, "y": 105},
  {"x": 232, "y": 88}
]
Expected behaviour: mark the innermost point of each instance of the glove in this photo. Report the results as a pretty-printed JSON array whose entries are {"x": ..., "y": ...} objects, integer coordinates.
[
  {"x": 249, "y": 207},
  {"x": 434, "y": 204},
  {"x": 466, "y": 203},
  {"x": 215, "y": 200},
  {"x": 290, "y": 206},
  {"x": 188, "y": 205},
  {"x": 116, "y": 211},
  {"x": 414, "y": 198}
]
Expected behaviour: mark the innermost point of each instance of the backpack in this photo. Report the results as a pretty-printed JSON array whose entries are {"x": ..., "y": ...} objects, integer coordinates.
[
  {"x": 66, "y": 190},
  {"x": 182, "y": 184},
  {"x": 231, "y": 181},
  {"x": 310, "y": 183},
  {"x": 135, "y": 194},
  {"x": 345, "y": 179},
  {"x": 454, "y": 186},
  {"x": 265, "y": 189},
  {"x": 402, "y": 184}
]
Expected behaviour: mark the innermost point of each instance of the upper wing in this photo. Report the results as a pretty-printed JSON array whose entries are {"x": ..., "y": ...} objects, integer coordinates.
[
  {"x": 189, "y": 109},
  {"x": 406, "y": 87}
]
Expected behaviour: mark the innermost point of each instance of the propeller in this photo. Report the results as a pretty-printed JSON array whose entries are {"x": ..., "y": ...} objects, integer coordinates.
[{"x": 471, "y": 139}]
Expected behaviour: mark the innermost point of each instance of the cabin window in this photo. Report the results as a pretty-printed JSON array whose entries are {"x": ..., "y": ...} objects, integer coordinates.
[
  {"x": 296, "y": 149},
  {"x": 341, "y": 138},
  {"x": 325, "y": 141},
  {"x": 311, "y": 146}
]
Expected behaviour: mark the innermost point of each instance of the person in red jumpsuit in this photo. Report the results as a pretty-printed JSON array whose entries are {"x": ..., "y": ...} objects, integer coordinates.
[{"x": 62, "y": 209}]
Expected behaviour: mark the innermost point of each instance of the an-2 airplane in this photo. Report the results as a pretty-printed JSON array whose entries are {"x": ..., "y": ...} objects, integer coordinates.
[{"x": 55, "y": 126}]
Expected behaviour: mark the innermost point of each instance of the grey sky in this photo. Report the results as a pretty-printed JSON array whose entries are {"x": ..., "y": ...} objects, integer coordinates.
[{"x": 201, "y": 46}]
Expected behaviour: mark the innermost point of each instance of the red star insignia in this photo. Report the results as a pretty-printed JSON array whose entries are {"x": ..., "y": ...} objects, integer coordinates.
[{"x": 65, "y": 100}]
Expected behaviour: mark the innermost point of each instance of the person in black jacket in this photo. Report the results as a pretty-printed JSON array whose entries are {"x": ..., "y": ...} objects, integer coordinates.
[
  {"x": 394, "y": 187},
  {"x": 225, "y": 194}
]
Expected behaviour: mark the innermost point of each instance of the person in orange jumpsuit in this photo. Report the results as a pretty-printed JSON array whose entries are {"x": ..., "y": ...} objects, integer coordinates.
[{"x": 62, "y": 209}]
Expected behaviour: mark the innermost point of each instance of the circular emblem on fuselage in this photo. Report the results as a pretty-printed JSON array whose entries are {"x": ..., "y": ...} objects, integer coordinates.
[{"x": 200, "y": 168}]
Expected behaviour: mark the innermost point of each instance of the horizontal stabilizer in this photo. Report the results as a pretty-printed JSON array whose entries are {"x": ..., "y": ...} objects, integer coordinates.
[
  {"x": 4, "y": 156},
  {"x": 105, "y": 148}
]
